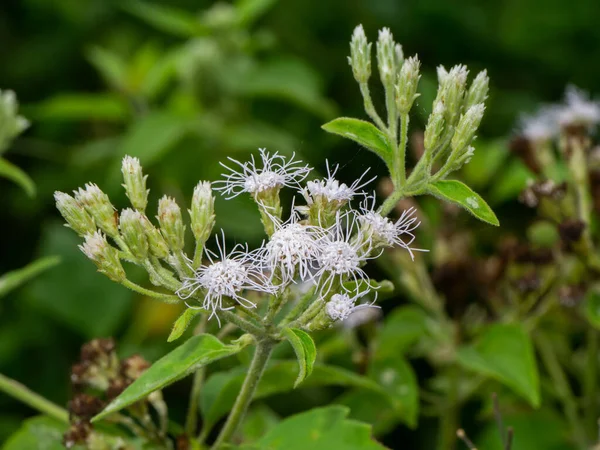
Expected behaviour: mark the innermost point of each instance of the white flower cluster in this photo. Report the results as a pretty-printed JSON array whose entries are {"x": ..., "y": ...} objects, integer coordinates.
[
  {"x": 577, "y": 110},
  {"x": 330, "y": 256}
]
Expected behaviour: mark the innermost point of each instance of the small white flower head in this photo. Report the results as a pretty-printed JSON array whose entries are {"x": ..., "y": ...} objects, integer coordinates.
[
  {"x": 292, "y": 251},
  {"x": 330, "y": 190},
  {"x": 578, "y": 109},
  {"x": 360, "y": 55},
  {"x": 226, "y": 277},
  {"x": 343, "y": 306},
  {"x": 542, "y": 126},
  {"x": 344, "y": 250},
  {"x": 98, "y": 205},
  {"x": 104, "y": 255},
  {"x": 382, "y": 231},
  {"x": 276, "y": 172}
]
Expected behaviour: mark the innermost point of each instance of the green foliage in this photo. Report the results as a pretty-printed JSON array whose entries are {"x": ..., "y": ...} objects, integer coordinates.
[
  {"x": 38, "y": 433},
  {"x": 306, "y": 352},
  {"x": 182, "y": 323},
  {"x": 16, "y": 278},
  {"x": 13, "y": 173},
  {"x": 459, "y": 193}
]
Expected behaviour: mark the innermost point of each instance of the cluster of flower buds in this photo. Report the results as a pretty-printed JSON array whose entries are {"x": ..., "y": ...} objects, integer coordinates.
[{"x": 12, "y": 123}]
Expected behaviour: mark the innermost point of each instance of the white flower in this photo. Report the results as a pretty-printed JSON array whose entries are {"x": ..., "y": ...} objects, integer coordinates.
[
  {"x": 541, "y": 126},
  {"x": 362, "y": 314},
  {"x": 292, "y": 250},
  {"x": 344, "y": 250},
  {"x": 383, "y": 232},
  {"x": 227, "y": 277},
  {"x": 578, "y": 109},
  {"x": 331, "y": 190},
  {"x": 276, "y": 172},
  {"x": 342, "y": 306}
]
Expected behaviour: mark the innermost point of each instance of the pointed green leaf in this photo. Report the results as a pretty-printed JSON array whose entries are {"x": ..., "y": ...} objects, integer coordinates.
[
  {"x": 305, "y": 349},
  {"x": 505, "y": 353},
  {"x": 16, "y": 278},
  {"x": 363, "y": 133},
  {"x": 13, "y": 173},
  {"x": 221, "y": 389},
  {"x": 185, "y": 359},
  {"x": 320, "y": 429},
  {"x": 456, "y": 192},
  {"x": 181, "y": 324}
]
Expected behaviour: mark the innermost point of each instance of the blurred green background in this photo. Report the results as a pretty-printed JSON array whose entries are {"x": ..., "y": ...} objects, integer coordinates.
[{"x": 186, "y": 83}]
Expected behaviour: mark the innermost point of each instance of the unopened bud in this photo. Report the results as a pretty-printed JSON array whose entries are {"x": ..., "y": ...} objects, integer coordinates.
[
  {"x": 99, "y": 206},
  {"x": 399, "y": 55},
  {"x": 408, "y": 80},
  {"x": 360, "y": 55},
  {"x": 386, "y": 57},
  {"x": 435, "y": 126},
  {"x": 156, "y": 242},
  {"x": 171, "y": 223},
  {"x": 76, "y": 216},
  {"x": 131, "y": 224},
  {"x": 452, "y": 90},
  {"x": 202, "y": 212},
  {"x": 467, "y": 126},
  {"x": 478, "y": 91},
  {"x": 135, "y": 183},
  {"x": 12, "y": 123},
  {"x": 105, "y": 256}
]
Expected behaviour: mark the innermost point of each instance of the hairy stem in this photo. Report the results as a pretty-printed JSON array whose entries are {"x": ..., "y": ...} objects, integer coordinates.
[
  {"x": 192, "y": 413},
  {"x": 370, "y": 108},
  {"x": 245, "y": 325},
  {"x": 149, "y": 293},
  {"x": 400, "y": 153},
  {"x": 30, "y": 398},
  {"x": 255, "y": 372}
]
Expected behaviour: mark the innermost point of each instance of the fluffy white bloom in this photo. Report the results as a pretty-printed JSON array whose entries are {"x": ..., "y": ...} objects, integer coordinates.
[
  {"x": 276, "y": 172},
  {"x": 541, "y": 126},
  {"x": 344, "y": 250},
  {"x": 292, "y": 250},
  {"x": 342, "y": 306},
  {"x": 578, "y": 109},
  {"x": 384, "y": 232},
  {"x": 331, "y": 190},
  {"x": 226, "y": 277}
]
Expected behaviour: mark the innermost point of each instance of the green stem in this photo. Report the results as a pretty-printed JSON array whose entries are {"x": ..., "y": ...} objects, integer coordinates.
[
  {"x": 192, "y": 413},
  {"x": 245, "y": 325},
  {"x": 261, "y": 357},
  {"x": 591, "y": 382},
  {"x": 370, "y": 108},
  {"x": 563, "y": 390},
  {"x": 300, "y": 306},
  {"x": 149, "y": 293},
  {"x": 30, "y": 398},
  {"x": 155, "y": 270},
  {"x": 400, "y": 152}
]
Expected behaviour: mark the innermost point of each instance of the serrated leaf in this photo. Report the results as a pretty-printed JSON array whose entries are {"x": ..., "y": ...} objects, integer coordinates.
[
  {"x": 320, "y": 429},
  {"x": 219, "y": 392},
  {"x": 196, "y": 352},
  {"x": 505, "y": 353},
  {"x": 181, "y": 324},
  {"x": 459, "y": 193},
  {"x": 305, "y": 349},
  {"x": 18, "y": 176},
  {"x": 16, "y": 278},
  {"x": 363, "y": 133}
]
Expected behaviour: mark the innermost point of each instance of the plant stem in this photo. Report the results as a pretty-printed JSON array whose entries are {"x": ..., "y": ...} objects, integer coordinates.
[
  {"x": 369, "y": 107},
  {"x": 192, "y": 413},
  {"x": 245, "y": 325},
  {"x": 400, "y": 151},
  {"x": 563, "y": 390},
  {"x": 149, "y": 293},
  {"x": 30, "y": 398},
  {"x": 300, "y": 306},
  {"x": 590, "y": 382},
  {"x": 257, "y": 367}
]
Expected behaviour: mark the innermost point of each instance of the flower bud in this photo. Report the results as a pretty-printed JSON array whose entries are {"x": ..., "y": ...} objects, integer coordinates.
[
  {"x": 467, "y": 126},
  {"x": 76, "y": 216},
  {"x": 399, "y": 55},
  {"x": 202, "y": 212},
  {"x": 135, "y": 183},
  {"x": 360, "y": 55},
  {"x": 12, "y": 123},
  {"x": 406, "y": 89},
  {"x": 478, "y": 91},
  {"x": 105, "y": 256},
  {"x": 451, "y": 91},
  {"x": 131, "y": 224},
  {"x": 98, "y": 205},
  {"x": 171, "y": 223},
  {"x": 386, "y": 57},
  {"x": 156, "y": 242},
  {"x": 435, "y": 126}
]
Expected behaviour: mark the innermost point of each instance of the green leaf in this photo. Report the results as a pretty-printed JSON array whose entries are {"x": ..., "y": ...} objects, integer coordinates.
[
  {"x": 196, "y": 352},
  {"x": 397, "y": 378},
  {"x": 82, "y": 106},
  {"x": 505, "y": 353},
  {"x": 170, "y": 20},
  {"x": 182, "y": 322},
  {"x": 320, "y": 429},
  {"x": 305, "y": 349},
  {"x": 371, "y": 408},
  {"x": 18, "y": 176},
  {"x": 257, "y": 423},
  {"x": 16, "y": 278},
  {"x": 220, "y": 391},
  {"x": 250, "y": 10},
  {"x": 510, "y": 182},
  {"x": 485, "y": 163},
  {"x": 38, "y": 433},
  {"x": 363, "y": 133},
  {"x": 401, "y": 329},
  {"x": 110, "y": 66},
  {"x": 591, "y": 308},
  {"x": 459, "y": 193}
]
